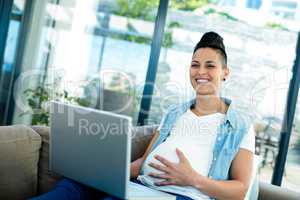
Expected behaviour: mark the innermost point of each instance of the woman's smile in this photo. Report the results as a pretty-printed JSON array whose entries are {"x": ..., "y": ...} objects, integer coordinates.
[{"x": 202, "y": 81}]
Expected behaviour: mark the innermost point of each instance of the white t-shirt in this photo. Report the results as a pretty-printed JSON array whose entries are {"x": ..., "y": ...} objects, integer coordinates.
[{"x": 195, "y": 136}]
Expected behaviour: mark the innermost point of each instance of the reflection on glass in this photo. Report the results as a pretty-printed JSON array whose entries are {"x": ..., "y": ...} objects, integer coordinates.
[
  {"x": 96, "y": 53},
  {"x": 7, "y": 68},
  {"x": 18, "y": 6}
]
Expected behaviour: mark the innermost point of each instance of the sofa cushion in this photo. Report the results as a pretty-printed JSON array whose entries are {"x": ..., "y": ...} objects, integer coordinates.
[
  {"x": 273, "y": 192},
  {"x": 46, "y": 178},
  {"x": 19, "y": 154},
  {"x": 141, "y": 136}
]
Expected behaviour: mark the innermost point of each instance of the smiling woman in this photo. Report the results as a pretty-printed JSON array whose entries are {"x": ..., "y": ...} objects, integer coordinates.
[
  {"x": 198, "y": 151},
  {"x": 203, "y": 148}
]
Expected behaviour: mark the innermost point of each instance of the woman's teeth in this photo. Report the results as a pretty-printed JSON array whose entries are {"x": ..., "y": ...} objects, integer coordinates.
[{"x": 201, "y": 81}]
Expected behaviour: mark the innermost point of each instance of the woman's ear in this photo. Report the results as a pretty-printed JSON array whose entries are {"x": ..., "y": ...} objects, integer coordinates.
[{"x": 225, "y": 73}]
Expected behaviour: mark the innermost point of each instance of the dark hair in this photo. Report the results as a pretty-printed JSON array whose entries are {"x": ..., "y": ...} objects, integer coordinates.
[{"x": 212, "y": 40}]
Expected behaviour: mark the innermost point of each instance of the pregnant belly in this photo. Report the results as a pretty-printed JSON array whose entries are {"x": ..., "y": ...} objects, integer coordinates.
[{"x": 194, "y": 153}]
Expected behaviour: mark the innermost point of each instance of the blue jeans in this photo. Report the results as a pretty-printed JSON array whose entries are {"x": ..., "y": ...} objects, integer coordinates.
[{"x": 68, "y": 189}]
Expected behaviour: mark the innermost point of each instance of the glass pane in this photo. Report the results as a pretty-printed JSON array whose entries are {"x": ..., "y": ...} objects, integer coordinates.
[
  {"x": 260, "y": 57},
  {"x": 18, "y": 6},
  {"x": 9, "y": 54},
  {"x": 7, "y": 68},
  {"x": 291, "y": 177},
  {"x": 96, "y": 54}
]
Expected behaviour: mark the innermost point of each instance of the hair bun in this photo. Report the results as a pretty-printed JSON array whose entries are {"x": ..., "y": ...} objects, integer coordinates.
[{"x": 213, "y": 40}]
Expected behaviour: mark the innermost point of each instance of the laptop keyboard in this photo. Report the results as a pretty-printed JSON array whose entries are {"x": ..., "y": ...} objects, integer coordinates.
[
  {"x": 145, "y": 193},
  {"x": 135, "y": 188}
]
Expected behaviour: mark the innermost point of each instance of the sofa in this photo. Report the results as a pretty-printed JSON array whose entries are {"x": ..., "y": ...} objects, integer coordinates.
[{"x": 24, "y": 159}]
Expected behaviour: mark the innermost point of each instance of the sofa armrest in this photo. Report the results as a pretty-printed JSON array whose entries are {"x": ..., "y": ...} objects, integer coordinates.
[
  {"x": 268, "y": 191},
  {"x": 19, "y": 155},
  {"x": 46, "y": 178},
  {"x": 141, "y": 137}
]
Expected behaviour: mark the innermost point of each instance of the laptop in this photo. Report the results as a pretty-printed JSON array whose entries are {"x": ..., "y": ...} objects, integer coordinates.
[{"x": 93, "y": 147}]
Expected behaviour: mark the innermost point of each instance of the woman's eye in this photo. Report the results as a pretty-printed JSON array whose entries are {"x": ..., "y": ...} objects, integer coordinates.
[
  {"x": 210, "y": 66},
  {"x": 195, "y": 66}
]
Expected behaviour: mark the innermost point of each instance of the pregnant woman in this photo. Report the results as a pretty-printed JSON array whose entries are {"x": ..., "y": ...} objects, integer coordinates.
[{"x": 202, "y": 149}]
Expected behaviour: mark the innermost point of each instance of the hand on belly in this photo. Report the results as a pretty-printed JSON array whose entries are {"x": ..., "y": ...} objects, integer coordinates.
[
  {"x": 174, "y": 171},
  {"x": 165, "y": 150},
  {"x": 195, "y": 154}
]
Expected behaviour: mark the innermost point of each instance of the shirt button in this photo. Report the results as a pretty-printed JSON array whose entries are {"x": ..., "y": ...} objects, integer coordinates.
[
  {"x": 215, "y": 159},
  {"x": 219, "y": 138}
]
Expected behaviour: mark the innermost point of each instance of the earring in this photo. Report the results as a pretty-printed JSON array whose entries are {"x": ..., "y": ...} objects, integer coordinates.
[{"x": 224, "y": 79}]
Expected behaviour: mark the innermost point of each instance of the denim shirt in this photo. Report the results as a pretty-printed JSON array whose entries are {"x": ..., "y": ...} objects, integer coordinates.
[{"x": 229, "y": 136}]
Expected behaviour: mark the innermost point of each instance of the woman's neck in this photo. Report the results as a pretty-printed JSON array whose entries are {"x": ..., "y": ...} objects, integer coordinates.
[{"x": 209, "y": 104}]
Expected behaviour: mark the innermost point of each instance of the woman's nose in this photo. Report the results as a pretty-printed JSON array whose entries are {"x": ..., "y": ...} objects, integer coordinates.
[{"x": 202, "y": 70}]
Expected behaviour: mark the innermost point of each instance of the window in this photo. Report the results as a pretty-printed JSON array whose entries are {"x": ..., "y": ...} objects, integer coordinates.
[
  {"x": 9, "y": 54},
  {"x": 95, "y": 53},
  {"x": 254, "y": 4}
]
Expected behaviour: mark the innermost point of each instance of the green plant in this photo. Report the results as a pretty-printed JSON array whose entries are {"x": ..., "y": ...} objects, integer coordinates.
[
  {"x": 38, "y": 100},
  {"x": 132, "y": 38},
  {"x": 168, "y": 35},
  {"x": 189, "y": 4},
  {"x": 275, "y": 25},
  {"x": 227, "y": 15},
  {"x": 210, "y": 11},
  {"x": 141, "y": 9}
]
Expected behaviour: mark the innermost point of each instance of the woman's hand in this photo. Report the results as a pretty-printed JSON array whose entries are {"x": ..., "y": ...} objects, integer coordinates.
[
  {"x": 174, "y": 174},
  {"x": 135, "y": 167}
]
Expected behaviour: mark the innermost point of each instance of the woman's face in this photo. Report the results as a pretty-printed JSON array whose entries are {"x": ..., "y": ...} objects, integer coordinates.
[{"x": 207, "y": 71}]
